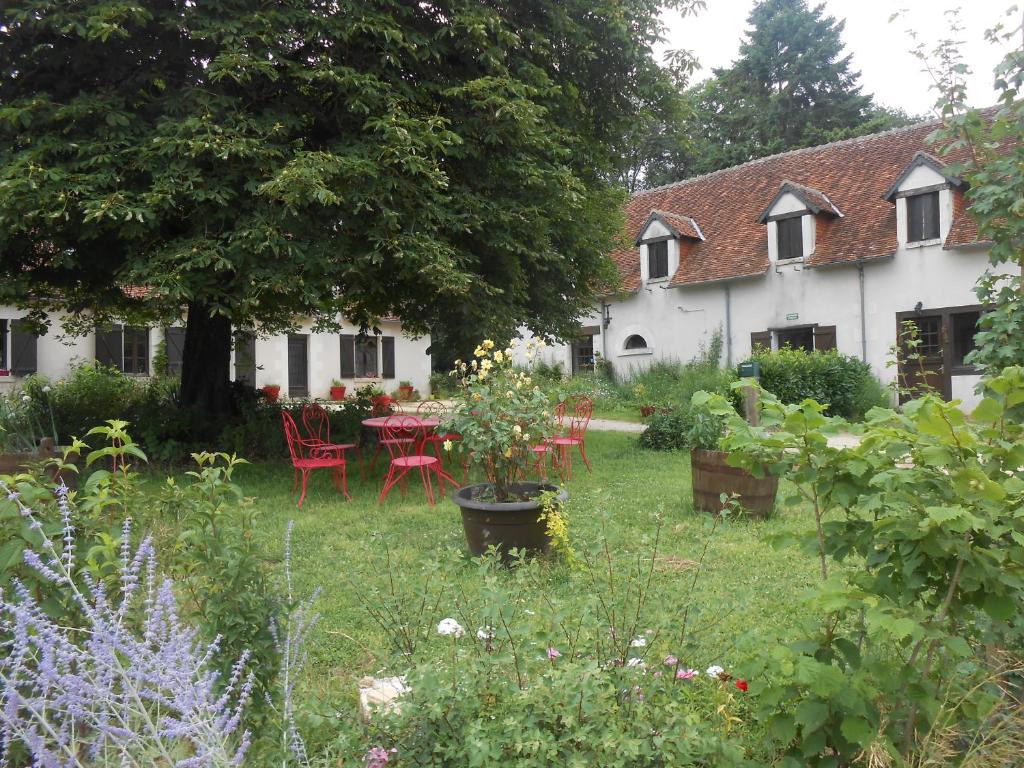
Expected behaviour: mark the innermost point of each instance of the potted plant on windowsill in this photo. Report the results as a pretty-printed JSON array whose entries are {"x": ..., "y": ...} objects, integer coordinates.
[
  {"x": 711, "y": 473},
  {"x": 500, "y": 415},
  {"x": 337, "y": 390},
  {"x": 272, "y": 392}
]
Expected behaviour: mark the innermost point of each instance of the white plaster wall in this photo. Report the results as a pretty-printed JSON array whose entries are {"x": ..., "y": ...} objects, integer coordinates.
[
  {"x": 963, "y": 390},
  {"x": 826, "y": 296},
  {"x": 57, "y": 355},
  {"x": 412, "y": 362}
]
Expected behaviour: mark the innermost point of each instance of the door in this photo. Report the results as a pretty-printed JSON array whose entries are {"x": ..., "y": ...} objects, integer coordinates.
[
  {"x": 922, "y": 359},
  {"x": 298, "y": 365},
  {"x": 583, "y": 354}
]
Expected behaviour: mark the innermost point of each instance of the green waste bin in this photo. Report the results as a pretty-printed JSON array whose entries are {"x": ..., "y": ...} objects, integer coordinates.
[{"x": 751, "y": 369}]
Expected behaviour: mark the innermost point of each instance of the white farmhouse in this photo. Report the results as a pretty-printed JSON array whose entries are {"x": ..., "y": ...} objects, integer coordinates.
[
  {"x": 820, "y": 248},
  {"x": 303, "y": 363}
]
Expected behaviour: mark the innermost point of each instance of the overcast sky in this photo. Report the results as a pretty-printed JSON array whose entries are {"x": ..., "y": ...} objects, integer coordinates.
[{"x": 880, "y": 49}]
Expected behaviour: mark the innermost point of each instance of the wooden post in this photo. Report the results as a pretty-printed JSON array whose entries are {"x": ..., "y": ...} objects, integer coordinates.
[{"x": 750, "y": 406}]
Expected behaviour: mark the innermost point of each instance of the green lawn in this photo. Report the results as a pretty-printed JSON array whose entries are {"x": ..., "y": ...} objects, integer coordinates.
[{"x": 748, "y": 592}]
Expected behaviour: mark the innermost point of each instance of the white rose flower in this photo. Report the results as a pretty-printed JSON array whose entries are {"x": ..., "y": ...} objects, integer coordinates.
[
  {"x": 485, "y": 633},
  {"x": 450, "y": 627},
  {"x": 714, "y": 671},
  {"x": 640, "y": 642},
  {"x": 46, "y": 388},
  {"x": 26, "y": 399}
]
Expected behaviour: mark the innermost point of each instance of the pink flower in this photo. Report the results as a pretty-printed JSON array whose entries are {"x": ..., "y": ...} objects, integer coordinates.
[
  {"x": 656, "y": 674},
  {"x": 554, "y": 653},
  {"x": 686, "y": 674},
  {"x": 378, "y": 757},
  {"x": 671, "y": 661}
]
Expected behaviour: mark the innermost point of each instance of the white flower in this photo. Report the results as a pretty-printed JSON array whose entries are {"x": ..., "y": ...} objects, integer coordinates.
[
  {"x": 634, "y": 662},
  {"x": 517, "y": 429},
  {"x": 46, "y": 388},
  {"x": 640, "y": 642},
  {"x": 450, "y": 627},
  {"x": 714, "y": 671},
  {"x": 26, "y": 399},
  {"x": 447, "y": 445},
  {"x": 485, "y": 633}
]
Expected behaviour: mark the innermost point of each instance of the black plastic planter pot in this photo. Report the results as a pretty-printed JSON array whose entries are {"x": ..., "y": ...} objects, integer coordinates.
[{"x": 505, "y": 525}]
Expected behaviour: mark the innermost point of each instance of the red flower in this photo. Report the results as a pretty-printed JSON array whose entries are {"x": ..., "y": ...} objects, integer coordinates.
[{"x": 742, "y": 685}]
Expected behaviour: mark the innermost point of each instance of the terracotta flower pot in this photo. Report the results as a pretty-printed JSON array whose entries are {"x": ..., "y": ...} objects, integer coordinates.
[
  {"x": 272, "y": 392},
  {"x": 405, "y": 392},
  {"x": 337, "y": 393},
  {"x": 712, "y": 477},
  {"x": 505, "y": 525},
  {"x": 381, "y": 405}
]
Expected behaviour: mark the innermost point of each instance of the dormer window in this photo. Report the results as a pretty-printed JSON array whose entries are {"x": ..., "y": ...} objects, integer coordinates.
[
  {"x": 657, "y": 260},
  {"x": 791, "y": 220},
  {"x": 791, "y": 238},
  {"x": 923, "y": 196},
  {"x": 661, "y": 240},
  {"x": 923, "y": 217}
]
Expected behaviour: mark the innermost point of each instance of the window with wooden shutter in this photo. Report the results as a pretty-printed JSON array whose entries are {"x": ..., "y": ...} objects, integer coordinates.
[
  {"x": 298, "y": 365},
  {"x": 108, "y": 346},
  {"x": 136, "y": 351},
  {"x": 387, "y": 353},
  {"x": 366, "y": 357},
  {"x": 348, "y": 356},
  {"x": 174, "y": 348},
  {"x": 923, "y": 217},
  {"x": 3, "y": 345},
  {"x": 824, "y": 338},
  {"x": 761, "y": 339},
  {"x": 245, "y": 358},
  {"x": 23, "y": 349},
  {"x": 791, "y": 238},
  {"x": 657, "y": 260}
]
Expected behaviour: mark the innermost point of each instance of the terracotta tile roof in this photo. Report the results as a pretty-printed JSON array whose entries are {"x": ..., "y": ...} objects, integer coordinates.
[
  {"x": 848, "y": 176},
  {"x": 684, "y": 225},
  {"x": 964, "y": 230}
]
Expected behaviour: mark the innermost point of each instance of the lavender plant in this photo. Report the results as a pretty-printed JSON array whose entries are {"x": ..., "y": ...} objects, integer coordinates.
[{"x": 135, "y": 688}]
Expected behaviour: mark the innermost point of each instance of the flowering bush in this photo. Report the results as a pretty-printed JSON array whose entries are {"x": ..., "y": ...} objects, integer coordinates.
[
  {"x": 24, "y": 422},
  {"x": 500, "y": 414},
  {"x": 112, "y": 694}
]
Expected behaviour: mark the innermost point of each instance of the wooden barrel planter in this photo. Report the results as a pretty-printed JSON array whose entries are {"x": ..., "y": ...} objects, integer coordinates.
[{"x": 712, "y": 477}]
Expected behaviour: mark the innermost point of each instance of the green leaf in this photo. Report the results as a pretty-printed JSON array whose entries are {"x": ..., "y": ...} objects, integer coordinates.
[
  {"x": 857, "y": 730},
  {"x": 810, "y": 715},
  {"x": 999, "y": 607}
]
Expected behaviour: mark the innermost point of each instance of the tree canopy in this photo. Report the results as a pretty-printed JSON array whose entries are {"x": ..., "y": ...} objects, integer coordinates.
[
  {"x": 254, "y": 161},
  {"x": 791, "y": 86}
]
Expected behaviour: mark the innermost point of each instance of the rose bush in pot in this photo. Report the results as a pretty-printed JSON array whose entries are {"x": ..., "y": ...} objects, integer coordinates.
[{"x": 501, "y": 415}]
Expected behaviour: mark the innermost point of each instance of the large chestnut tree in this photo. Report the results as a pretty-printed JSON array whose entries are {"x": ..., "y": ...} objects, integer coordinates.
[{"x": 249, "y": 162}]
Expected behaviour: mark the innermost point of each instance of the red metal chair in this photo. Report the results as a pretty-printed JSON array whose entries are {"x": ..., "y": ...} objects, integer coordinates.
[
  {"x": 583, "y": 407},
  {"x": 544, "y": 453},
  {"x": 405, "y": 437},
  {"x": 309, "y": 454},
  {"x": 317, "y": 423},
  {"x": 436, "y": 409}
]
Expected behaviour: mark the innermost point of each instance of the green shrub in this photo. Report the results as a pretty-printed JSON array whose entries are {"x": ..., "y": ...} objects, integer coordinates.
[
  {"x": 550, "y": 373},
  {"x": 843, "y": 383},
  {"x": 666, "y": 432}
]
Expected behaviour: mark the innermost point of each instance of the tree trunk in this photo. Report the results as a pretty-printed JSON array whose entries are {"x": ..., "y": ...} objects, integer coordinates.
[{"x": 206, "y": 362}]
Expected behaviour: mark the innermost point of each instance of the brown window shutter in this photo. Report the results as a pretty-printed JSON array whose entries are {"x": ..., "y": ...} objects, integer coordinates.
[
  {"x": 245, "y": 358},
  {"x": 3, "y": 346},
  {"x": 760, "y": 339},
  {"x": 109, "y": 346},
  {"x": 348, "y": 356},
  {"x": 824, "y": 338},
  {"x": 174, "y": 347},
  {"x": 387, "y": 348},
  {"x": 23, "y": 349}
]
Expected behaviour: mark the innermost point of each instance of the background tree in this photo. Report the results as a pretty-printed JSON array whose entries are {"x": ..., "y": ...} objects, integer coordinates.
[
  {"x": 790, "y": 87},
  {"x": 251, "y": 162}
]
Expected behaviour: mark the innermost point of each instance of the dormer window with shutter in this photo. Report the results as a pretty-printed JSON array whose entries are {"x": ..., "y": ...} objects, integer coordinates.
[
  {"x": 791, "y": 219},
  {"x": 923, "y": 196},
  {"x": 661, "y": 239}
]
